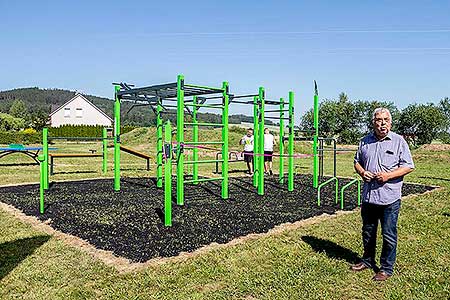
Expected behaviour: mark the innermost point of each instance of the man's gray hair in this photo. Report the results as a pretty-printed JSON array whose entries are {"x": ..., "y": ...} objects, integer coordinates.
[{"x": 381, "y": 110}]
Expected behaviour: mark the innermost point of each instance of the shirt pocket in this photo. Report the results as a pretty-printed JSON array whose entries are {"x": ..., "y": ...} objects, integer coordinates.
[{"x": 389, "y": 160}]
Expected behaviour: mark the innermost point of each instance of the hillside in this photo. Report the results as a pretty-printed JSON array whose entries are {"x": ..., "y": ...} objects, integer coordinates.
[{"x": 37, "y": 99}]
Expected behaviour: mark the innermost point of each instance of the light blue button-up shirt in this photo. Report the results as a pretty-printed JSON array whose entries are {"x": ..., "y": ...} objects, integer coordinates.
[{"x": 384, "y": 155}]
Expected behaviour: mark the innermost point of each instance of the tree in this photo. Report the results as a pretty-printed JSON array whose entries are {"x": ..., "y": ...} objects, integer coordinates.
[
  {"x": 421, "y": 123},
  {"x": 39, "y": 119},
  {"x": 18, "y": 109},
  {"x": 10, "y": 123}
]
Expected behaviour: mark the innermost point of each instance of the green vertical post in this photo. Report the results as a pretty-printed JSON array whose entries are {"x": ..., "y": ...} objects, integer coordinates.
[
  {"x": 45, "y": 174},
  {"x": 315, "y": 140},
  {"x": 167, "y": 174},
  {"x": 41, "y": 159},
  {"x": 255, "y": 140},
  {"x": 116, "y": 139},
  {"x": 261, "y": 143},
  {"x": 281, "y": 176},
  {"x": 195, "y": 139},
  {"x": 159, "y": 143},
  {"x": 291, "y": 143},
  {"x": 105, "y": 150},
  {"x": 225, "y": 141},
  {"x": 180, "y": 140}
]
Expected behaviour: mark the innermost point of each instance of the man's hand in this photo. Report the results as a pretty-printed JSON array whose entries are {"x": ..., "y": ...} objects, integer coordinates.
[
  {"x": 368, "y": 176},
  {"x": 382, "y": 177}
]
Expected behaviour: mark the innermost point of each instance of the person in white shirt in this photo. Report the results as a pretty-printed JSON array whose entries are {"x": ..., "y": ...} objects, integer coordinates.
[
  {"x": 268, "y": 151},
  {"x": 247, "y": 141}
]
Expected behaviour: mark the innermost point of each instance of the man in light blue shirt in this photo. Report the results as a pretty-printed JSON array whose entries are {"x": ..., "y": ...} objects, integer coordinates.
[{"x": 382, "y": 159}]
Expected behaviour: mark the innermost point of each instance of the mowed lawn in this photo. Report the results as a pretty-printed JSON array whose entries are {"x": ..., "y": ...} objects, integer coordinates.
[{"x": 310, "y": 262}]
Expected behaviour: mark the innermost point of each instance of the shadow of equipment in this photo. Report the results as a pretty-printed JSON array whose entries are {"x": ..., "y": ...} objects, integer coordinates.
[{"x": 14, "y": 252}]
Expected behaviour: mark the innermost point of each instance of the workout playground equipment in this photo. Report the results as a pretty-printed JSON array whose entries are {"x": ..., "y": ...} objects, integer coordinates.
[{"x": 182, "y": 99}]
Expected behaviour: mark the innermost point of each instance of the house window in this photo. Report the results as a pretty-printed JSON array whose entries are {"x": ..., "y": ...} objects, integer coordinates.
[
  {"x": 67, "y": 112},
  {"x": 79, "y": 112}
]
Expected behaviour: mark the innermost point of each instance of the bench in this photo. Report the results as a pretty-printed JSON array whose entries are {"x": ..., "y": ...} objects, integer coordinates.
[
  {"x": 137, "y": 153},
  {"x": 53, "y": 155}
]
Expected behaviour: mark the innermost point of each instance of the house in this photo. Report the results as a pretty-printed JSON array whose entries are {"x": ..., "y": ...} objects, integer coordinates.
[{"x": 79, "y": 111}]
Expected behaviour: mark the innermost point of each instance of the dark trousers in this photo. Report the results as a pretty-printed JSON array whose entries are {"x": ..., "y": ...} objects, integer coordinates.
[{"x": 387, "y": 215}]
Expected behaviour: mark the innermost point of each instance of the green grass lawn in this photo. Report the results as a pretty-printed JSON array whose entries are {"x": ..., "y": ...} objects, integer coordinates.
[{"x": 310, "y": 262}]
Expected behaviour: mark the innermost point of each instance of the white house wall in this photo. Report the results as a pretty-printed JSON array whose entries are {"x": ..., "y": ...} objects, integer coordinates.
[{"x": 90, "y": 115}]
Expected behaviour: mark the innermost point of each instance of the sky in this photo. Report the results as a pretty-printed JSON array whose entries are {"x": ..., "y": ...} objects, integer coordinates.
[{"x": 395, "y": 51}]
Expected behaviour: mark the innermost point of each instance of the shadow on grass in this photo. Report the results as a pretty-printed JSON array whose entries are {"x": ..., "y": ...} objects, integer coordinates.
[
  {"x": 14, "y": 252},
  {"x": 18, "y": 164},
  {"x": 446, "y": 214},
  {"x": 331, "y": 249},
  {"x": 435, "y": 178}
]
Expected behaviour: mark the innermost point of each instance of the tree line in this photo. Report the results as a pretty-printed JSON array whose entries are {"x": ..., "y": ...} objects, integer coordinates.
[{"x": 349, "y": 120}]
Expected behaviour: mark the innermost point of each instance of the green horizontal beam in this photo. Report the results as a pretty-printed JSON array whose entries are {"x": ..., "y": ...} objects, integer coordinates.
[
  {"x": 205, "y": 105},
  {"x": 203, "y": 180},
  {"x": 325, "y": 183},
  {"x": 203, "y": 161},
  {"x": 204, "y": 124}
]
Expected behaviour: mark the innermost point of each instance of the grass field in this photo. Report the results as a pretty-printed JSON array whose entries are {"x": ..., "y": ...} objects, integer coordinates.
[{"x": 310, "y": 262}]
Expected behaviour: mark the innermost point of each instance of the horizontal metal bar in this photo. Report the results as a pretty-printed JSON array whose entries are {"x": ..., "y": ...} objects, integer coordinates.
[
  {"x": 203, "y": 87},
  {"x": 243, "y": 96},
  {"x": 150, "y": 89},
  {"x": 204, "y": 124},
  {"x": 275, "y": 118},
  {"x": 203, "y": 180},
  {"x": 203, "y": 143},
  {"x": 240, "y": 102},
  {"x": 191, "y": 162},
  {"x": 277, "y": 110},
  {"x": 272, "y": 102},
  {"x": 205, "y": 105}
]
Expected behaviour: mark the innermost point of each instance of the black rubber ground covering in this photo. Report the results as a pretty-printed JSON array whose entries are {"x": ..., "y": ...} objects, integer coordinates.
[{"x": 130, "y": 222}]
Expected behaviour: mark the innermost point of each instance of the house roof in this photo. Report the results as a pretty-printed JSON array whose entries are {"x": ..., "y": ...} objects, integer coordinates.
[{"x": 85, "y": 99}]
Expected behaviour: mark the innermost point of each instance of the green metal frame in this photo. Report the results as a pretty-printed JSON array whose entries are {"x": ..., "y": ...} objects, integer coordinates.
[
  {"x": 315, "y": 140},
  {"x": 41, "y": 158},
  {"x": 291, "y": 143},
  {"x": 255, "y": 140},
  {"x": 260, "y": 152},
  {"x": 358, "y": 181},
  {"x": 159, "y": 143},
  {"x": 180, "y": 140},
  {"x": 167, "y": 174},
  {"x": 281, "y": 175},
  {"x": 325, "y": 183},
  {"x": 116, "y": 139}
]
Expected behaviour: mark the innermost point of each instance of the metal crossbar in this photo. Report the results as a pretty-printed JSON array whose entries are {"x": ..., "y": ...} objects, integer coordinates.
[
  {"x": 204, "y": 124},
  {"x": 206, "y": 161}
]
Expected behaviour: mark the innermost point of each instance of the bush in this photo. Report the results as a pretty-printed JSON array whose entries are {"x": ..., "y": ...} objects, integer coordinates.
[{"x": 9, "y": 137}]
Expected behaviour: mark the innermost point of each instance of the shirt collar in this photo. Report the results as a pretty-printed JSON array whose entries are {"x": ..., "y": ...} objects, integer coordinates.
[{"x": 387, "y": 137}]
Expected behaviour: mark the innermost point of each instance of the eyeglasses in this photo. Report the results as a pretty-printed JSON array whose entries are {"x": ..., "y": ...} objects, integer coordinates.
[{"x": 379, "y": 121}]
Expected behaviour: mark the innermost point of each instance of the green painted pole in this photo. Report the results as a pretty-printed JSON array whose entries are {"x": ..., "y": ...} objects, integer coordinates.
[
  {"x": 168, "y": 174},
  {"x": 315, "y": 140},
  {"x": 105, "y": 150},
  {"x": 281, "y": 176},
  {"x": 116, "y": 139},
  {"x": 225, "y": 103},
  {"x": 159, "y": 143},
  {"x": 255, "y": 140},
  {"x": 195, "y": 139},
  {"x": 291, "y": 143},
  {"x": 261, "y": 143},
  {"x": 45, "y": 162},
  {"x": 41, "y": 159},
  {"x": 180, "y": 140}
]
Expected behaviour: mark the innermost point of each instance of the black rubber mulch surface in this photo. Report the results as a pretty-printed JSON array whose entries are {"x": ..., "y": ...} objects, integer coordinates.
[{"x": 130, "y": 222}]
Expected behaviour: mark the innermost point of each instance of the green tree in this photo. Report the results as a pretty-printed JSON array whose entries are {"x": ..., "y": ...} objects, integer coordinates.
[
  {"x": 421, "y": 123},
  {"x": 18, "y": 109},
  {"x": 10, "y": 123}
]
